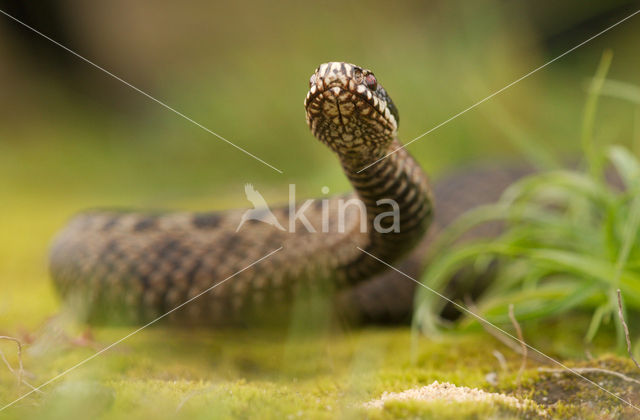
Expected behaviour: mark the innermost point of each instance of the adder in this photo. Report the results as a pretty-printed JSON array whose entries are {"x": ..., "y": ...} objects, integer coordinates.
[{"x": 120, "y": 266}]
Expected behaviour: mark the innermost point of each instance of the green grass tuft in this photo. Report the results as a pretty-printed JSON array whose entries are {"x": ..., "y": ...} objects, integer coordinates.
[{"x": 571, "y": 238}]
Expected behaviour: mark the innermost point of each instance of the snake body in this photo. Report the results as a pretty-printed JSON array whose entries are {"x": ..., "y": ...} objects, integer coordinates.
[{"x": 135, "y": 266}]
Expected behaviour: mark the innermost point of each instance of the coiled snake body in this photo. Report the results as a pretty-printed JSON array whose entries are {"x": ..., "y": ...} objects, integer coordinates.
[
  {"x": 137, "y": 266},
  {"x": 133, "y": 267}
]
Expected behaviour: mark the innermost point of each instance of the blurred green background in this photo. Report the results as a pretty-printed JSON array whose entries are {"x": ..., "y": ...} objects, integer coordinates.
[{"x": 71, "y": 137}]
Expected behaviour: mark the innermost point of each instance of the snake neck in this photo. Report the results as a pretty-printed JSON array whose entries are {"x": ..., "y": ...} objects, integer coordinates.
[{"x": 397, "y": 179}]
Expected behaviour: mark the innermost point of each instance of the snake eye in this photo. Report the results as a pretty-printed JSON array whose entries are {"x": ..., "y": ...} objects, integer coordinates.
[
  {"x": 371, "y": 81},
  {"x": 312, "y": 80}
]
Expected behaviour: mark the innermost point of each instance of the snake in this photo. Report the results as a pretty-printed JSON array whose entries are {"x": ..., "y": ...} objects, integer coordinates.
[{"x": 124, "y": 266}]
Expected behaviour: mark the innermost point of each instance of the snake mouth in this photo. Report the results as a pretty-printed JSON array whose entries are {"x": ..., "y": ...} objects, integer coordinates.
[
  {"x": 349, "y": 120},
  {"x": 359, "y": 91}
]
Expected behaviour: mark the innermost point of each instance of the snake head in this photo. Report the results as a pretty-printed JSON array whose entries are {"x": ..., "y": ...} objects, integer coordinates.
[{"x": 349, "y": 110}]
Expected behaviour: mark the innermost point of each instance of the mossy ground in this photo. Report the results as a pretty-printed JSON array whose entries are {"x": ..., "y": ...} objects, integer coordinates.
[{"x": 165, "y": 372}]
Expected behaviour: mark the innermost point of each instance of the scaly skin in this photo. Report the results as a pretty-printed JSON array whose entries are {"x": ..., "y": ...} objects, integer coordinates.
[
  {"x": 133, "y": 267},
  {"x": 388, "y": 297}
]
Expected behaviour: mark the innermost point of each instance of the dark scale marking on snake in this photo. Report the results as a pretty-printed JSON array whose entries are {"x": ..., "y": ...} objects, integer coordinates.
[
  {"x": 206, "y": 220},
  {"x": 154, "y": 263},
  {"x": 144, "y": 224}
]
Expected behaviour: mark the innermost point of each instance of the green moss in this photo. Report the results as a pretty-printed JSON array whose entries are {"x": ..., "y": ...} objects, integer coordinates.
[{"x": 163, "y": 373}]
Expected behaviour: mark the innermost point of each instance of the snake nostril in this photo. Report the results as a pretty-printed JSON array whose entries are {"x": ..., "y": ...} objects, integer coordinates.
[{"x": 357, "y": 74}]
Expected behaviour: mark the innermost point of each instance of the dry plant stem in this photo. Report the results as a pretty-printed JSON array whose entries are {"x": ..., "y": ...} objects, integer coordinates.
[
  {"x": 13, "y": 371},
  {"x": 501, "y": 360},
  {"x": 593, "y": 370},
  {"x": 20, "y": 367},
  {"x": 626, "y": 329},
  {"x": 523, "y": 348},
  {"x": 588, "y": 354},
  {"x": 505, "y": 340},
  {"x": 6, "y": 362}
]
